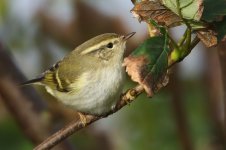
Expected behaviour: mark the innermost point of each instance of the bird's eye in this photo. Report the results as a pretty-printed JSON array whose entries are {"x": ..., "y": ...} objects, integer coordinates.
[{"x": 110, "y": 45}]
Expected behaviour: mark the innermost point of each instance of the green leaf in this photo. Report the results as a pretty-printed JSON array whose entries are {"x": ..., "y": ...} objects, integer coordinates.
[
  {"x": 220, "y": 28},
  {"x": 213, "y": 9},
  {"x": 187, "y": 9},
  {"x": 157, "y": 52},
  {"x": 148, "y": 64}
]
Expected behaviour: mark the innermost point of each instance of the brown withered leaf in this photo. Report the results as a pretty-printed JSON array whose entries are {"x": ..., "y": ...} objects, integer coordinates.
[
  {"x": 137, "y": 68},
  {"x": 208, "y": 37},
  {"x": 148, "y": 64},
  {"x": 154, "y": 10}
]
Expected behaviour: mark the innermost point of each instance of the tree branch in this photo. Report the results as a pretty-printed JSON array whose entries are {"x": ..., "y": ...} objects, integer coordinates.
[
  {"x": 176, "y": 88},
  {"x": 213, "y": 84},
  {"x": 26, "y": 117},
  {"x": 222, "y": 58},
  {"x": 24, "y": 104},
  {"x": 74, "y": 126},
  {"x": 8, "y": 68}
]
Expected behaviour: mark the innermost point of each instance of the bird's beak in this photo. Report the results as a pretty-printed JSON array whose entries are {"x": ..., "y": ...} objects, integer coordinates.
[{"x": 126, "y": 37}]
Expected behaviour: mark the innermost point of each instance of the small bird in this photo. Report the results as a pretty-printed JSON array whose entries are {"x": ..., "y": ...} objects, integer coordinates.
[{"x": 90, "y": 78}]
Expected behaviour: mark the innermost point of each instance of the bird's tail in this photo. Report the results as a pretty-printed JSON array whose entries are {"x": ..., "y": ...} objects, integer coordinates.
[{"x": 32, "y": 81}]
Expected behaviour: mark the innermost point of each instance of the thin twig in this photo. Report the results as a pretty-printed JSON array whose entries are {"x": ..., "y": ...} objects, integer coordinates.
[{"x": 74, "y": 126}]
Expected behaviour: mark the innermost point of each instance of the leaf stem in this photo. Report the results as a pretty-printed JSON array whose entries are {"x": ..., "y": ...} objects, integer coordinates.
[
  {"x": 181, "y": 41},
  {"x": 173, "y": 43},
  {"x": 180, "y": 13},
  {"x": 185, "y": 47},
  {"x": 179, "y": 9},
  {"x": 194, "y": 42}
]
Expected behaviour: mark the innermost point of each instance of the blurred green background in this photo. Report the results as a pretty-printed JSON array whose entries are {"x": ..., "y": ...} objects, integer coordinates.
[{"x": 187, "y": 114}]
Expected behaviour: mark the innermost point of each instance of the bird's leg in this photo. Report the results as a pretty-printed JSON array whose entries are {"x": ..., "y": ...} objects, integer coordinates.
[
  {"x": 82, "y": 118},
  {"x": 129, "y": 96}
]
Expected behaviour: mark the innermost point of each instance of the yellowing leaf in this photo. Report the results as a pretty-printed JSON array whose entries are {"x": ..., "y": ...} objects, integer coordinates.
[{"x": 189, "y": 9}]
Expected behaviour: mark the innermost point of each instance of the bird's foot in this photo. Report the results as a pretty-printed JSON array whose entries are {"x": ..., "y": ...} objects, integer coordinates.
[{"x": 82, "y": 118}]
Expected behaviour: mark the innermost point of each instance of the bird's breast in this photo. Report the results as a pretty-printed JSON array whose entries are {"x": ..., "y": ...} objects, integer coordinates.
[{"x": 97, "y": 92}]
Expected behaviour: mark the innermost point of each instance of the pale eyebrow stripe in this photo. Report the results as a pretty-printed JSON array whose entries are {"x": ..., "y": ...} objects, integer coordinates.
[{"x": 96, "y": 46}]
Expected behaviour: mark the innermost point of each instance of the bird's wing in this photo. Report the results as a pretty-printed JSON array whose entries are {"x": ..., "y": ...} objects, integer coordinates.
[{"x": 61, "y": 75}]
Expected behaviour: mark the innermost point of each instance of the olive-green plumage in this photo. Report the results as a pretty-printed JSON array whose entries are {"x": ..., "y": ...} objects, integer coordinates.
[{"x": 89, "y": 78}]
